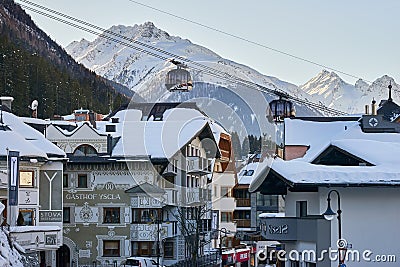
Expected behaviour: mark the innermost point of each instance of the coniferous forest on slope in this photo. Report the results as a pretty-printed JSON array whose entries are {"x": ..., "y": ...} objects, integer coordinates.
[{"x": 32, "y": 66}]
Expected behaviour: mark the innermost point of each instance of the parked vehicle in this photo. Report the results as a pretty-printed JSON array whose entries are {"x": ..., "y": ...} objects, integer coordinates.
[{"x": 139, "y": 262}]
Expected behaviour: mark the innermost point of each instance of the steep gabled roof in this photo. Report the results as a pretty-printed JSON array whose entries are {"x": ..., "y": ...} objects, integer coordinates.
[
  {"x": 159, "y": 139},
  {"x": 23, "y": 138}
]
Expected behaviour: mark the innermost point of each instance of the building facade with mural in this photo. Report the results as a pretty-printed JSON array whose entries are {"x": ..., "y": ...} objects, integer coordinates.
[
  {"x": 125, "y": 185},
  {"x": 31, "y": 170}
]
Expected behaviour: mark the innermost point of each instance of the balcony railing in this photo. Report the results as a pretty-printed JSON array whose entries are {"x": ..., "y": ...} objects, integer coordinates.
[
  {"x": 243, "y": 223},
  {"x": 148, "y": 232},
  {"x": 193, "y": 195},
  {"x": 243, "y": 202},
  {"x": 197, "y": 165}
]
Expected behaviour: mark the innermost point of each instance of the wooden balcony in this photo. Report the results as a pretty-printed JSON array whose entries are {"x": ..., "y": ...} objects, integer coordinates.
[
  {"x": 243, "y": 202},
  {"x": 243, "y": 223}
]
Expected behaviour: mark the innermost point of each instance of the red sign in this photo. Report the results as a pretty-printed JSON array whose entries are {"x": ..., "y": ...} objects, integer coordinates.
[
  {"x": 242, "y": 256},
  {"x": 228, "y": 258}
]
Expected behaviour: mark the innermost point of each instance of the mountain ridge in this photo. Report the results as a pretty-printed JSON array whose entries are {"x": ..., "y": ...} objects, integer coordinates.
[{"x": 136, "y": 70}]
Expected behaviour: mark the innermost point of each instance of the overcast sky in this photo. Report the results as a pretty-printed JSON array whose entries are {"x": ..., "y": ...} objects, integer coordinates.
[{"x": 359, "y": 37}]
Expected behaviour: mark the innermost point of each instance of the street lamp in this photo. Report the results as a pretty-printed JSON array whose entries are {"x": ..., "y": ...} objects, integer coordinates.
[
  {"x": 158, "y": 220},
  {"x": 329, "y": 214},
  {"x": 222, "y": 231}
]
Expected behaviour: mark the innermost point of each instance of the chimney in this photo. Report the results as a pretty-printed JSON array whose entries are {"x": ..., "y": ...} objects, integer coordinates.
[
  {"x": 6, "y": 101},
  {"x": 92, "y": 119},
  {"x": 373, "y": 107},
  {"x": 366, "y": 109}
]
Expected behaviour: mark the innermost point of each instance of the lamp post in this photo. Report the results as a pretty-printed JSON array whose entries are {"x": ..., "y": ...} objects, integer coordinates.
[
  {"x": 222, "y": 231},
  {"x": 158, "y": 220},
  {"x": 329, "y": 214}
]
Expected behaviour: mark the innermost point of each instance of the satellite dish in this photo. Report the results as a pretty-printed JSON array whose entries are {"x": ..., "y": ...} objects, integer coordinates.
[{"x": 34, "y": 105}]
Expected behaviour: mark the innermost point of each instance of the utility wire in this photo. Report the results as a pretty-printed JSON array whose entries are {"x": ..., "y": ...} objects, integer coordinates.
[
  {"x": 247, "y": 40},
  {"x": 210, "y": 71}
]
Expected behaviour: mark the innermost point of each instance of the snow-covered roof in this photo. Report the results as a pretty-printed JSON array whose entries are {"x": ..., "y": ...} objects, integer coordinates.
[
  {"x": 271, "y": 214},
  {"x": 351, "y": 134},
  {"x": 247, "y": 174},
  {"x": 158, "y": 139},
  {"x": 69, "y": 117},
  {"x": 300, "y": 172},
  {"x": 309, "y": 133},
  {"x": 23, "y": 138},
  {"x": 34, "y": 120},
  {"x": 382, "y": 150},
  {"x": 252, "y": 170},
  {"x": 375, "y": 152}
]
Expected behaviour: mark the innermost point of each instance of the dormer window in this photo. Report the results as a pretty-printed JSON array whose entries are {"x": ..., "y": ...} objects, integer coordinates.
[
  {"x": 110, "y": 128},
  {"x": 85, "y": 151}
]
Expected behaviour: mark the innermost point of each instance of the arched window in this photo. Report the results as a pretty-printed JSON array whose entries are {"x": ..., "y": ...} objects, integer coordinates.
[{"x": 85, "y": 151}]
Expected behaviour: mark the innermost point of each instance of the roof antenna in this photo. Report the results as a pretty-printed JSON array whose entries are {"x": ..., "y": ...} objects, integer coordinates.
[{"x": 390, "y": 91}]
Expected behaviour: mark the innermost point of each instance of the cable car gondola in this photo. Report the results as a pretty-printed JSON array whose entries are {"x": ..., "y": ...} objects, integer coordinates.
[
  {"x": 179, "y": 79},
  {"x": 282, "y": 108}
]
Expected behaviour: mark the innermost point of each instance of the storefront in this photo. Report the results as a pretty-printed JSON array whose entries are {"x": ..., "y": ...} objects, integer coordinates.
[
  {"x": 236, "y": 257},
  {"x": 228, "y": 258},
  {"x": 243, "y": 257}
]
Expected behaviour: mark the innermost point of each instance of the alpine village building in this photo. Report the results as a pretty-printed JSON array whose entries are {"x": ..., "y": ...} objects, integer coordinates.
[
  {"x": 339, "y": 168},
  {"x": 31, "y": 170},
  {"x": 139, "y": 184}
]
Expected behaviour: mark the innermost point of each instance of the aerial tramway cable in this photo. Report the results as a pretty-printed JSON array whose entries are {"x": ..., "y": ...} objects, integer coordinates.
[{"x": 115, "y": 37}]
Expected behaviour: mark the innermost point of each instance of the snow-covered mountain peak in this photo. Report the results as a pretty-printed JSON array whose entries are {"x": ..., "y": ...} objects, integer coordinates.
[
  {"x": 384, "y": 81},
  {"x": 325, "y": 83},
  {"x": 361, "y": 85},
  {"x": 143, "y": 31}
]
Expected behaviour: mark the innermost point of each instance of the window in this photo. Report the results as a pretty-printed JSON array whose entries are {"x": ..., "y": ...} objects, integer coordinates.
[
  {"x": 225, "y": 191},
  {"x": 226, "y": 216},
  {"x": 267, "y": 200},
  {"x": 26, "y": 178},
  {"x": 111, "y": 215},
  {"x": 145, "y": 215},
  {"x": 311, "y": 264},
  {"x": 188, "y": 181},
  {"x": 246, "y": 173},
  {"x": 65, "y": 180},
  {"x": 66, "y": 215},
  {"x": 301, "y": 208},
  {"x": 111, "y": 248},
  {"x": 175, "y": 165},
  {"x": 169, "y": 250},
  {"x": 294, "y": 264},
  {"x": 85, "y": 150},
  {"x": 82, "y": 181},
  {"x": 241, "y": 193},
  {"x": 110, "y": 128},
  {"x": 242, "y": 214},
  {"x": 169, "y": 182},
  {"x": 143, "y": 249},
  {"x": 28, "y": 215}
]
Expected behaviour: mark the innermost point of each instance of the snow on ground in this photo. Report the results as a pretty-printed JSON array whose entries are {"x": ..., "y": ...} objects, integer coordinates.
[{"x": 8, "y": 256}]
